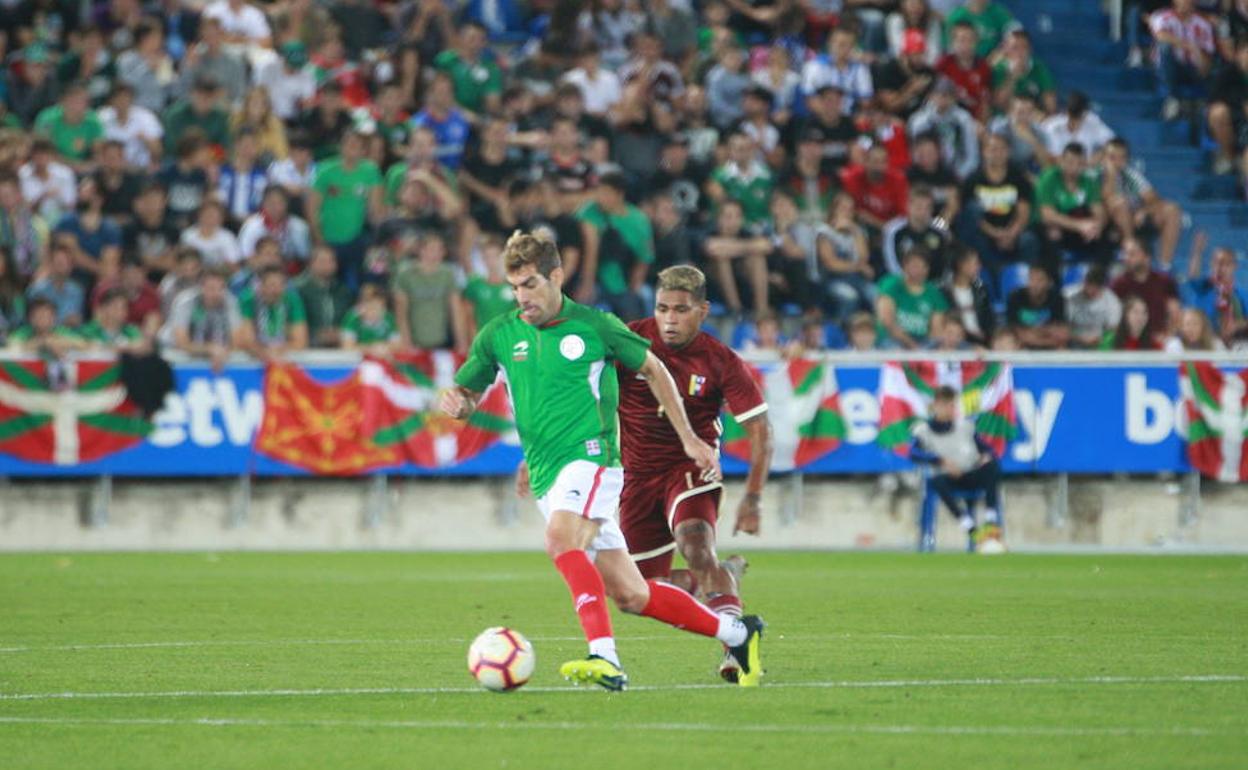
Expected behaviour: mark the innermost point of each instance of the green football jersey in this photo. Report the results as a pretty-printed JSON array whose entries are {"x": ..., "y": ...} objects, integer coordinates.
[{"x": 563, "y": 385}]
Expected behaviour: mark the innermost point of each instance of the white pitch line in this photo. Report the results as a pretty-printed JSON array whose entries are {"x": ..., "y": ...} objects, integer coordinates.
[
  {"x": 846, "y": 684},
  {"x": 823, "y": 729}
]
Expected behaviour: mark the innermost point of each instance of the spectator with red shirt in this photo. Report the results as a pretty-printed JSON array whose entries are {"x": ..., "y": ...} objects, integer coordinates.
[
  {"x": 1186, "y": 46},
  {"x": 1157, "y": 289},
  {"x": 968, "y": 72},
  {"x": 143, "y": 300},
  {"x": 880, "y": 193}
]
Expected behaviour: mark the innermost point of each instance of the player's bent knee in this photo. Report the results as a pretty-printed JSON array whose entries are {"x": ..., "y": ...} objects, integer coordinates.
[{"x": 631, "y": 599}]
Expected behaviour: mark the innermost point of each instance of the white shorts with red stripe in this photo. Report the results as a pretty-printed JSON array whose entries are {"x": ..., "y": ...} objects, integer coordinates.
[{"x": 591, "y": 491}]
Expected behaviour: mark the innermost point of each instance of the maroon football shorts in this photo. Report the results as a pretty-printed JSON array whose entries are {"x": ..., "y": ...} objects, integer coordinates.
[{"x": 651, "y": 507}]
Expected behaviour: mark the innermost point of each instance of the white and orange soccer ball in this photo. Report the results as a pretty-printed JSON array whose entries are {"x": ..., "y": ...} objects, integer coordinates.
[{"x": 501, "y": 659}]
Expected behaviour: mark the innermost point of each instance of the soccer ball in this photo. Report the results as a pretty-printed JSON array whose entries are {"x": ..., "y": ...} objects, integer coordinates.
[{"x": 501, "y": 659}]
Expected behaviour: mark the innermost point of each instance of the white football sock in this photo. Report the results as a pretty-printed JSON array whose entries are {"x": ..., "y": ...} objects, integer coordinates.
[
  {"x": 732, "y": 631},
  {"x": 604, "y": 647}
]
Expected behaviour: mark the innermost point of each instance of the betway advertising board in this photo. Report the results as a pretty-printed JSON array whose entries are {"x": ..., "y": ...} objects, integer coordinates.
[{"x": 1073, "y": 419}]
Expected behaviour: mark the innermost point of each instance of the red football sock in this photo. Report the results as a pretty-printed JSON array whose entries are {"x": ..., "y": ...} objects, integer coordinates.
[
  {"x": 725, "y": 604},
  {"x": 677, "y": 608},
  {"x": 588, "y": 593}
]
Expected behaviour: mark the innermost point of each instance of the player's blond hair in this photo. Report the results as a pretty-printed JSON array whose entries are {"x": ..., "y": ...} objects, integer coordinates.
[
  {"x": 683, "y": 278},
  {"x": 533, "y": 249}
]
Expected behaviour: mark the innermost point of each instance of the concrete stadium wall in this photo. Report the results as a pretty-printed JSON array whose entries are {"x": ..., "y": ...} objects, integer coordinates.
[{"x": 469, "y": 514}]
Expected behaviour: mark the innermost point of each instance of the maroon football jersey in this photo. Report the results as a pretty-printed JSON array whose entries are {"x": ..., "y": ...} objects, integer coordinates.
[{"x": 708, "y": 375}]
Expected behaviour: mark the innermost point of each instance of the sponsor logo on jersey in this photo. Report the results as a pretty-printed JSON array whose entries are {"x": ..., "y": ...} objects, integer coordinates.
[
  {"x": 696, "y": 384},
  {"x": 593, "y": 447},
  {"x": 520, "y": 351},
  {"x": 572, "y": 347}
]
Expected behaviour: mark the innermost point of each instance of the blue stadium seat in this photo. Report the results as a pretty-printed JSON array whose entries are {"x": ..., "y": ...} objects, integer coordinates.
[
  {"x": 1012, "y": 277},
  {"x": 1074, "y": 274}
]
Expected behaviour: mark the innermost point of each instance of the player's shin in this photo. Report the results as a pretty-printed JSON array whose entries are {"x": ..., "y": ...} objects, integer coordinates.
[
  {"x": 589, "y": 598},
  {"x": 677, "y": 608}
]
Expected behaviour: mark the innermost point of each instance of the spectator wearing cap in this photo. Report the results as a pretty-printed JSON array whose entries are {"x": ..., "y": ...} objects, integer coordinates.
[
  {"x": 903, "y": 83},
  {"x": 1216, "y": 295},
  {"x": 72, "y": 125},
  {"x": 275, "y": 220},
  {"x": 477, "y": 80},
  {"x": 838, "y": 134},
  {"x": 49, "y": 187},
  {"x": 909, "y": 306},
  {"x": 734, "y": 255},
  {"x": 135, "y": 126},
  {"x": 1037, "y": 311},
  {"x": 756, "y": 124},
  {"x": 32, "y": 89},
  {"x": 1134, "y": 204},
  {"x": 118, "y": 184},
  {"x": 449, "y": 125},
  {"x": 1077, "y": 124},
  {"x": 1019, "y": 72},
  {"x": 1071, "y": 209},
  {"x": 998, "y": 205},
  {"x": 1186, "y": 51},
  {"x": 1092, "y": 309},
  {"x": 1157, "y": 289},
  {"x": 201, "y": 110},
  {"x": 600, "y": 88},
  {"x": 205, "y": 321},
  {"x": 59, "y": 287},
  {"x": 289, "y": 80},
  {"x": 957, "y": 130},
  {"x": 243, "y": 23},
  {"x": 917, "y": 17},
  {"x": 142, "y": 298},
  {"x": 784, "y": 85},
  {"x": 932, "y": 170},
  {"x": 840, "y": 68},
  {"x": 210, "y": 57},
  {"x": 150, "y": 235},
  {"x": 726, "y": 84},
  {"x": 990, "y": 20},
  {"x": 325, "y": 299},
  {"x": 743, "y": 178},
  {"x": 109, "y": 329},
  {"x": 619, "y": 249},
  {"x": 917, "y": 228},
  {"x": 344, "y": 199},
  {"x": 967, "y": 70},
  {"x": 805, "y": 180},
  {"x": 147, "y": 68}
]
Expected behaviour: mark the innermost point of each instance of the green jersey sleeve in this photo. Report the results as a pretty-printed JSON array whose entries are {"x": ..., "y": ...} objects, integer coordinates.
[
  {"x": 294, "y": 303},
  {"x": 481, "y": 367},
  {"x": 622, "y": 343}
]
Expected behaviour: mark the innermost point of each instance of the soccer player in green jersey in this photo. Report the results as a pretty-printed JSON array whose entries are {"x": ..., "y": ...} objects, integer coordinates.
[{"x": 557, "y": 359}]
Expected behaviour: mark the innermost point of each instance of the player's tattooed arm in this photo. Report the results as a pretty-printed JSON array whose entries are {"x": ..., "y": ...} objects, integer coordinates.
[
  {"x": 664, "y": 389},
  {"x": 458, "y": 402}
]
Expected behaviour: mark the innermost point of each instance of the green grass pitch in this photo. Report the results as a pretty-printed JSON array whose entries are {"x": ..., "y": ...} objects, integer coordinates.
[{"x": 356, "y": 660}]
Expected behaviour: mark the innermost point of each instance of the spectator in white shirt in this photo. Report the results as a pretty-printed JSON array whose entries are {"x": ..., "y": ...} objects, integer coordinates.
[
  {"x": 243, "y": 23},
  {"x": 839, "y": 68},
  {"x": 49, "y": 187},
  {"x": 1078, "y": 124},
  {"x": 1092, "y": 309},
  {"x": 955, "y": 129},
  {"x": 217, "y": 245},
  {"x": 136, "y": 127},
  {"x": 275, "y": 220},
  {"x": 290, "y": 81},
  {"x": 1185, "y": 52},
  {"x": 601, "y": 88}
]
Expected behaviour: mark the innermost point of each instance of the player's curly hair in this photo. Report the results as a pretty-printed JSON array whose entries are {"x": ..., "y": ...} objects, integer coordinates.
[
  {"x": 683, "y": 278},
  {"x": 531, "y": 249}
]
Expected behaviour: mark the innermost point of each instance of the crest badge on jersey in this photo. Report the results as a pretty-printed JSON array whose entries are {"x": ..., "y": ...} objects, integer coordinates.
[
  {"x": 520, "y": 351},
  {"x": 697, "y": 383},
  {"x": 572, "y": 347}
]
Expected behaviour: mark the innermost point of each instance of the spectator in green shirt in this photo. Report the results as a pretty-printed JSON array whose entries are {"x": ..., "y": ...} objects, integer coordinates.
[
  {"x": 42, "y": 334},
  {"x": 370, "y": 326},
  {"x": 344, "y": 198},
  {"x": 1018, "y": 72},
  {"x": 478, "y": 80},
  {"x": 110, "y": 330},
  {"x": 201, "y": 110},
  {"x": 619, "y": 249},
  {"x": 910, "y": 308},
  {"x": 743, "y": 178},
  {"x": 1074, "y": 218},
  {"x": 325, "y": 299},
  {"x": 71, "y": 125},
  {"x": 486, "y": 296},
  {"x": 274, "y": 320},
  {"x": 990, "y": 20}
]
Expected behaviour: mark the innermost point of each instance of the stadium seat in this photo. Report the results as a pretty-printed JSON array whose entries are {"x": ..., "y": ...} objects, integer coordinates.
[{"x": 929, "y": 511}]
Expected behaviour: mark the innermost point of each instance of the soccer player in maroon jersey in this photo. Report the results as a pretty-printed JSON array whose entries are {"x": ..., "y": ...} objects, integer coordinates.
[{"x": 664, "y": 505}]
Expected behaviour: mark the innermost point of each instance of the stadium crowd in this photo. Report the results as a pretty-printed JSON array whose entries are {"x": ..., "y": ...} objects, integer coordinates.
[{"x": 265, "y": 177}]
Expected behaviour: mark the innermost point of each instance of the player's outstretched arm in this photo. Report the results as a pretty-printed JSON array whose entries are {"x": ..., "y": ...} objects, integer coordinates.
[
  {"x": 758, "y": 431},
  {"x": 664, "y": 389},
  {"x": 458, "y": 402}
]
